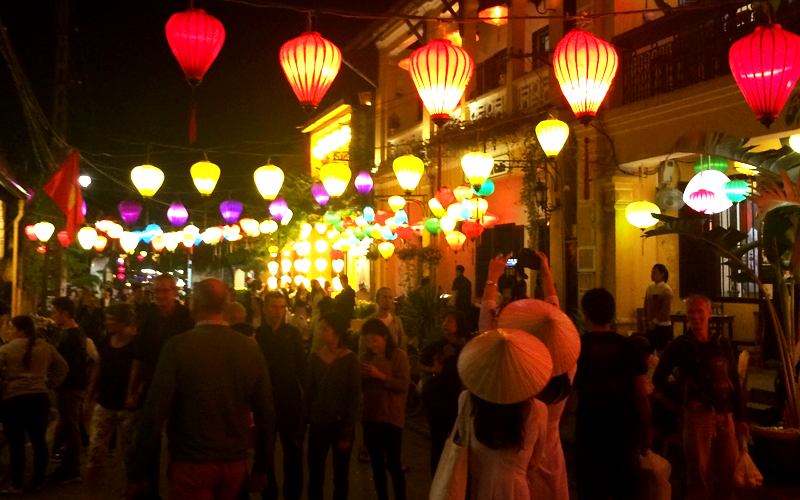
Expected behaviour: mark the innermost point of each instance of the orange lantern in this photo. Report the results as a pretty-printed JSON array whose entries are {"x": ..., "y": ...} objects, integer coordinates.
[
  {"x": 100, "y": 243},
  {"x": 471, "y": 229},
  {"x": 441, "y": 72},
  {"x": 584, "y": 66},
  {"x": 310, "y": 63},
  {"x": 456, "y": 240},
  {"x": 495, "y": 14}
]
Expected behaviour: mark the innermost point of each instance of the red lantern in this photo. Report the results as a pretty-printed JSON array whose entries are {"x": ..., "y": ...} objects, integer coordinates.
[
  {"x": 63, "y": 238},
  {"x": 471, "y": 229},
  {"x": 701, "y": 200},
  {"x": 41, "y": 249},
  {"x": 441, "y": 72},
  {"x": 380, "y": 217},
  {"x": 310, "y": 63},
  {"x": 764, "y": 65},
  {"x": 584, "y": 66},
  {"x": 195, "y": 39},
  {"x": 445, "y": 197},
  {"x": 337, "y": 254},
  {"x": 30, "y": 232},
  {"x": 404, "y": 232}
]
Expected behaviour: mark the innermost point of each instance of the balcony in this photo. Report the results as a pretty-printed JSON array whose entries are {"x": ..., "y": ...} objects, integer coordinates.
[{"x": 682, "y": 49}]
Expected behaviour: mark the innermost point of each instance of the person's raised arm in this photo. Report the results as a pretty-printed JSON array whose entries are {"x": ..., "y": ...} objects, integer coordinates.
[{"x": 548, "y": 285}]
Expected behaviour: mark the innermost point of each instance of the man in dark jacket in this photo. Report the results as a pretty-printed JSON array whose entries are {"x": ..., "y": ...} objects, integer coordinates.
[
  {"x": 282, "y": 346},
  {"x": 707, "y": 388},
  {"x": 346, "y": 300}
]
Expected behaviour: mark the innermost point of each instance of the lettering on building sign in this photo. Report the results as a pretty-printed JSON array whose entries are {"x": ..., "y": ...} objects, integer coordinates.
[
  {"x": 341, "y": 156},
  {"x": 486, "y": 107}
]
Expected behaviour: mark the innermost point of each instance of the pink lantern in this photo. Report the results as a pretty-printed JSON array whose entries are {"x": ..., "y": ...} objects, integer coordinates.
[
  {"x": 177, "y": 214},
  {"x": 701, "y": 200},
  {"x": 320, "y": 195},
  {"x": 363, "y": 182},
  {"x": 230, "y": 210},
  {"x": 278, "y": 208}
]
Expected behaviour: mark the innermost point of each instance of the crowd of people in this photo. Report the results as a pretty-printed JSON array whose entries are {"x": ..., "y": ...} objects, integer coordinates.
[{"x": 228, "y": 379}]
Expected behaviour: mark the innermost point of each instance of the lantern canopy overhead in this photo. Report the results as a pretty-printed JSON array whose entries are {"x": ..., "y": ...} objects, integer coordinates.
[
  {"x": 765, "y": 66},
  {"x": 441, "y": 72},
  {"x": 177, "y": 214},
  {"x": 195, "y": 39},
  {"x": 230, "y": 210},
  {"x": 205, "y": 176},
  {"x": 147, "y": 179},
  {"x": 130, "y": 211},
  {"x": 310, "y": 63},
  {"x": 584, "y": 66},
  {"x": 269, "y": 180}
]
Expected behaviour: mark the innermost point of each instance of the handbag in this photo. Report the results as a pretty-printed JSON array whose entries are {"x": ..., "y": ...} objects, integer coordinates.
[
  {"x": 746, "y": 474},
  {"x": 655, "y": 477},
  {"x": 450, "y": 479}
]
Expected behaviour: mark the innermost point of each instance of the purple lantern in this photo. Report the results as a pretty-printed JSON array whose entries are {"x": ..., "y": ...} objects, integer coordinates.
[
  {"x": 130, "y": 211},
  {"x": 177, "y": 214},
  {"x": 83, "y": 207},
  {"x": 320, "y": 194},
  {"x": 364, "y": 182},
  {"x": 230, "y": 210},
  {"x": 277, "y": 208}
]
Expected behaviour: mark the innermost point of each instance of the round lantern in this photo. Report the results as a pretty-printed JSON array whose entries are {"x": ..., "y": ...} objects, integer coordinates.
[
  {"x": 766, "y": 68},
  {"x": 432, "y": 225},
  {"x": 337, "y": 265},
  {"x": 486, "y": 189},
  {"x": 302, "y": 265},
  {"x": 130, "y": 211},
  {"x": 205, "y": 176},
  {"x": 363, "y": 182},
  {"x": 710, "y": 163},
  {"x": 43, "y": 231},
  {"x": 268, "y": 226},
  {"x": 100, "y": 243},
  {"x": 737, "y": 190},
  {"x": 639, "y": 214},
  {"x": 701, "y": 201},
  {"x": 195, "y": 39},
  {"x": 552, "y": 134},
  {"x": 408, "y": 169},
  {"x": 63, "y": 238},
  {"x": 310, "y": 63},
  {"x": 584, "y": 66},
  {"x": 447, "y": 223},
  {"x": 477, "y": 168},
  {"x": 230, "y": 210},
  {"x": 445, "y": 197},
  {"x": 177, "y": 214},
  {"x": 321, "y": 264},
  {"x": 147, "y": 179},
  {"x": 463, "y": 193},
  {"x": 714, "y": 182},
  {"x": 471, "y": 229},
  {"x": 128, "y": 241},
  {"x": 496, "y": 15},
  {"x": 441, "y": 72},
  {"x": 278, "y": 208},
  {"x": 320, "y": 195},
  {"x": 321, "y": 246},
  {"x": 335, "y": 177},
  {"x": 404, "y": 232},
  {"x": 269, "y": 180},
  {"x": 456, "y": 240},
  {"x": 386, "y": 249},
  {"x": 397, "y": 203},
  {"x": 249, "y": 226},
  {"x": 436, "y": 207},
  {"x": 158, "y": 243},
  {"x": 87, "y": 236}
]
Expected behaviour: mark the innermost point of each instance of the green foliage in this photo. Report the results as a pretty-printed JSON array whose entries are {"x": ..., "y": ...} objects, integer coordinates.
[
  {"x": 364, "y": 309},
  {"x": 421, "y": 313}
]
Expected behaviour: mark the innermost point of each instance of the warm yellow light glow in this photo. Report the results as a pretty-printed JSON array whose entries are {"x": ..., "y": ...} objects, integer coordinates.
[
  {"x": 639, "y": 213},
  {"x": 337, "y": 265},
  {"x": 552, "y": 134},
  {"x": 128, "y": 241},
  {"x": 477, "y": 167},
  {"x": 101, "y": 243},
  {"x": 115, "y": 232},
  {"x": 454, "y": 211},
  {"x": 321, "y": 281},
  {"x": 193, "y": 230},
  {"x": 269, "y": 180},
  {"x": 334, "y": 141},
  {"x": 344, "y": 244},
  {"x": 205, "y": 176},
  {"x": 745, "y": 168},
  {"x": 250, "y": 226},
  {"x": 408, "y": 169},
  {"x": 87, "y": 236},
  {"x": 386, "y": 249},
  {"x": 361, "y": 221},
  {"x": 147, "y": 179},
  {"x": 447, "y": 223},
  {"x": 272, "y": 283},
  {"x": 268, "y": 226},
  {"x": 188, "y": 240},
  {"x": 43, "y": 231},
  {"x": 496, "y": 15},
  {"x": 272, "y": 267},
  {"x": 286, "y": 265},
  {"x": 305, "y": 231},
  {"x": 285, "y": 280},
  {"x": 302, "y": 265},
  {"x": 171, "y": 240},
  {"x": 287, "y": 217},
  {"x": 794, "y": 142},
  {"x": 436, "y": 207},
  {"x": 321, "y": 264},
  {"x": 213, "y": 235},
  {"x": 478, "y": 206},
  {"x": 456, "y": 240},
  {"x": 320, "y": 227},
  {"x": 397, "y": 203},
  {"x": 321, "y": 245},
  {"x": 303, "y": 248},
  {"x": 337, "y": 284},
  {"x": 463, "y": 193},
  {"x": 335, "y": 177},
  {"x": 105, "y": 225}
]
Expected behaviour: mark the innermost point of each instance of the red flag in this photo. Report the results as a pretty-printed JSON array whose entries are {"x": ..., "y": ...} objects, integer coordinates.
[{"x": 65, "y": 190}]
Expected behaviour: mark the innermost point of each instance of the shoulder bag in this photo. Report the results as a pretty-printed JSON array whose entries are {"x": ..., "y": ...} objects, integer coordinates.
[{"x": 450, "y": 480}]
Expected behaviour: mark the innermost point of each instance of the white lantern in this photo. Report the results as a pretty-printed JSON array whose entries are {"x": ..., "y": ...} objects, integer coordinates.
[
  {"x": 337, "y": 265},
  {"x": 710, "y": 180}
]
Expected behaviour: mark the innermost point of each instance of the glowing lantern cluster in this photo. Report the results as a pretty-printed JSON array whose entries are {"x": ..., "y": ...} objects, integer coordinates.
[
  {"x": 441, "y": 72},
  {"x": 640, "y": 214},
  {"x": 477, "y": 168},
  {"x": 269, "y": 180},
  {"x": 310, "y": 63},
  {"x": 552, "y": 134},
  {"x": 205, "y": 176},
  {"x": 332, "y": 142},
  {"x": 147, "y": 179}
]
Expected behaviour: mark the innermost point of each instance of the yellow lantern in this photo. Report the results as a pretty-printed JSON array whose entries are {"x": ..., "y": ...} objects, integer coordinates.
[
  {"x": 147, "y": 179},
  {"x": 335, "y": 177},
  {"x": 285, "y": 280},
  {"x": 101, "y": 243},
  {"x": 302, "y": 265},
  {"x": 303, "y": 248},
  {"x": 456, "y": 240},
  {"x": 158, "y": 243},
  {"x": 128, "y": 241},
  {"x": 105, "y": 225},
  {"x": 268, "y": 227},
  {"x": 463, "y": 193},
  {"x": 794, "y": 142},
  {"x": 409, "y": 170},
  {"x": 321, "y": 227},
  {"x": 205, "y": 176},
  {"x": 286, "y": 265},
  {"x": 171, "y": 241},
  {"x": 43, "y": 231},
  {"x": 305, "y": 231},
  {"x": 272, "y": 267},
  {"x": 213, "y": 235},
  {"x": 332, "y": 234},
  {"x": 344, "y": 244},
  {"x": 115, "y": 232},
  {"x": 250, "y": 226},
  {"x": 436, "y": 208},
  {"x": 552, "y": 134},
  {"x": 478, "y": 206},
  {"x": 321, "y": 245},
  {"x": 188, "y": 240},
  {"x": 87, "y": 237},
  {"x": 477, "y": 167},
  {"x": 321, "y": 264},
  {"x": 337, "y": 265},
  {"x": 386, "y": 249},
  {"x": 454, "y": 211},
  {"x": 397, "y": 203},
  {"x": 269, "y": 180},
  {"x": 287, "y": 217},
  {"x": 448, "y": 223},
  {"x": 337, "y": 284},
  {"x": 193, "y": 230},
  {"x": 272, "y": 282},
  {"x": 639, "y": 213},
  {"x": 745, "y": 168}
]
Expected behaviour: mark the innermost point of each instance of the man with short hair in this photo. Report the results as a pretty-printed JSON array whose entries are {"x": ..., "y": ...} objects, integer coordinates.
[
  {"x": 706, "y": 386},
  {"x": 70, "y": 394},
  {"x": 385, "y": 299},
  {"x": 282, "y": 346},
  {"x": 207, "y": 382},
  {"x": 236, "y": 316},
  {"x": 463, "y": 288},
  {"x": 613, "y": 417},
  {"x": 346, "y": 300}
]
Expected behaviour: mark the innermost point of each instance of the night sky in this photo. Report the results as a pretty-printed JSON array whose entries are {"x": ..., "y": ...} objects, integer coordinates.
[{"x": 127, "y": 88}]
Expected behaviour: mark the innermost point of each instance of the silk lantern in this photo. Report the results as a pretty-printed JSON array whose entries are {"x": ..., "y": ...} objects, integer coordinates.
[
  {"x": 432, "y": 225},
  {"x": 130, "y": 211},
  {"x": 230, "y": 210},
  {"x": 496, "y": 13},
  {"x": 488, "y": 220},
  {"x": 147, "y": 179},
  {"x": 701, "y": 201},
  {"x": 471, "y": 229},
  {"x": 436, "y": 208},
  {"x": 87, "y": 236},
  {"x": 462, "y": 193},
  {"x": 552, "y": 134},
  {"x": 736, "y": 190},
  {"x": 335, "y": 177},
  {"x": 445, "y": 197},
  {"x": 43, "y": 231},
  {"x": 278, "y": 208},
  {"x": 205, "y": 176},
  {"x": 386, "y": 249},
  {"x": 477, "y": 168},
  {"x": 63, "y": 238},
  {"x": 269, "y": 180},
  {"x": 320, "y": 195},
  {"x": 396, "y": 203},
  {"x": 363, "y": 182},
  {"x": 128, "y": 241},
  {"x": 100, "y": 243},
  {"x": 30, "y": 233},
  {"x": 440, "y": 72},
  {"x": 486, "y": 189},
  {"x": 408, "y": 169},
  {"x": 310, "y": 63},
  {"x": 639, "y": 214},
  {"x": 177, "y": 214},
  {"x": 710, "y": 163},
  {"x": 456, "y": 240}
]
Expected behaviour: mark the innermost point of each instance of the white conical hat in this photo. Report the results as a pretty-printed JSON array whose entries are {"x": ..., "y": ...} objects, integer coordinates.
[
  {"x": 550, "y": 325},
  {"x": 505, "y": 366}
]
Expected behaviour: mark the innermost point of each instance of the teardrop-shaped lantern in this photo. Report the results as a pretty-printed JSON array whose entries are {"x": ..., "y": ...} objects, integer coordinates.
[
  {"x": 205, "y": 176},
  {"x": 766, "y": 68},
  {"x": 584, "y": 66},
  {"x": 441, "y": 72},
  {"x": 310, "y": 63},
  {"x": 363, "y": 182},
  {"x": 100, "y": 243},
  {"x": 456, "y": 240},
  {"x": 335, "y": 177},
  {"x": 87, "y": 236},
  {"x": 396, "y": 203},
  {"x": 471, "y": 229},
  {"x": 277, "y": 208},
  {"x": 230, "y": 210},
  {"x": 552, "y": 134},
  {"x": 477, "y": 168},
  {"x": 147, "y": 179},
  {"x": 320, "y": 195},
  {"x": 269, "y": 180},
  {"x": 408, "y": 169},
  {"x": 130, "y": 211},
  {"x": 737, "y": 190},
  {"x": 63, "y": 238},
  {"x": 43, "y": 230},
  {"x": 386, "y": 249}
]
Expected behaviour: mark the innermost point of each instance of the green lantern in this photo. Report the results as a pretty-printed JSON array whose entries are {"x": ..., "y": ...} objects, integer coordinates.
[
  {"x": 710, "y": 163},
  {"x": 332, "y": 218},
  {"x": 432, "y": 226},
  {"x": 339, "y": 227},
  {"x": 486, "y": 188},
  {"x": 358, "y": 233},
  {"x": 736, "y": 190}
]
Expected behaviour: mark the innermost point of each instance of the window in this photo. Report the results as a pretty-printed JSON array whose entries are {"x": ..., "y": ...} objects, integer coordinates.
[{"x": 740, "y": 216}]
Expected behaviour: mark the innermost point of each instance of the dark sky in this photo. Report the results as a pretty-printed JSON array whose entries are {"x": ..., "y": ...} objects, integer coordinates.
[{"x": 127, "y": 87}]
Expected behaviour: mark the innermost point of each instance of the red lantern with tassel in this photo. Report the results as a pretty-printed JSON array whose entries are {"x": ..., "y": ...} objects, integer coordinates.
[
  {"x": 441, "y": 72},
  {"x": 471, "y": 229},
  {"x": 195, "y": 39},
  {"x": 310, "y": 63}
]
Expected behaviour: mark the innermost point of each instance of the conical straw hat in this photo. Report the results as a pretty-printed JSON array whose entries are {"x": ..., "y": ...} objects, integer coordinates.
[
  {"x": 505, "y": 366},
  {"x": 550, "y": 325}
]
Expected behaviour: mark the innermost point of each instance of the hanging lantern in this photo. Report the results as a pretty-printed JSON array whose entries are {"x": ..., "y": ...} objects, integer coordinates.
[
  {"x": 272, "y": 283},
  {"x": 337, "y": 265},
  {"x": 447, "y": 223},
  {"x": 380, "y": 217},
  {"x": 445, "y": 197},
  {"x": 63, "y": 238},
  {"x": 205, "y": 176},
  {"x": 363, "y": 182},
  {"x": 272, "y": 267},
  {"x": 477, "y": 168},
  {"x": 552, "y": 134},
  {"x": 488, "y": 220},
  {"x": 303, "y": 248},
  {"x": 701, "y": 201},
  {"x": 471, "y": 229},
  {"x": 486, "y": 189},
  {"x": 310, "y": 63},
  {"x": 462, "y": 193},
  {"x": 400, "y": 217},
  {"x": 277, "y": 208},
  {"x": 386, "y": 249},
  {"x": 397, "y": 203},
  {"x": 100, "y": 243},
  {"x": 432, "y": 225},
  {"x": 230, "y": 210},
  {"x": 408, "y": 169},
  {"x": 177, "y": 214},
  {"x": 43, "y": 230},
  {"x": 436, "y": 207},
  {"x": 335, "y": 177},
  {"x": 30, "y": 232},
  {"x": 710, "y": 163},
  {"x": 130, "y": 211},
  {"x": 87, "y": 236},
  {"x": 321, "y": 264},
  {"x": 337, "y": 254},
  {"x": 302, "y": 265},
  {"x": 493, "y": 12},
  {"x": 584, "y": 66},
  {"x": 766, "y": 68},
  {"x": 147, "y": 179},
  {"x": 455, "y": 211},
  {"x": 158, "y": 243},
  {"x": 737, "y": 190},
  {"x": 128, "y": 241},
  {"x": 249, "y": 226},
  {"x": 320, "y": 195},
  {"x": 714, "y": 182},
  {"x": 404, "y": 232},
  {"x": 456, "y": 240},
  {"x": 477, "y": 207},
  {"x": 441, "y": 72},
  {"x": 269, "y": 180},
  {"x": 321, "y": 246},
  {"x": 746, "y": 168},
  {"x": 213, "y": 235},
  {"x": 268, "y": 227},
  {"x": 639, "y": 214},
  {"x": 287, "y": 217},
  {"x": 41, "y": 249}
]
